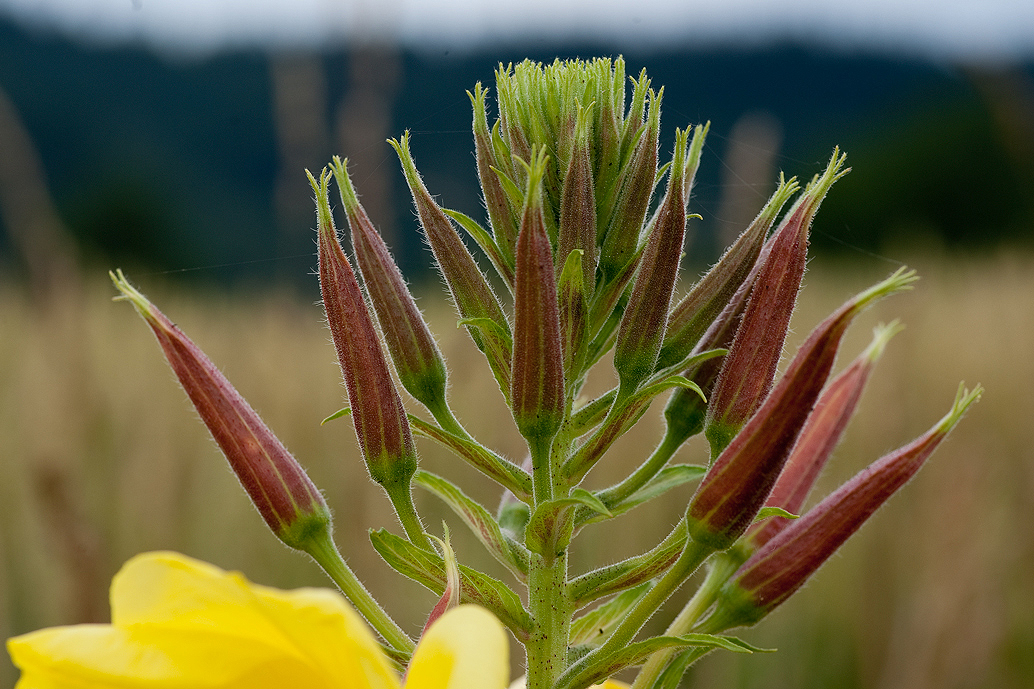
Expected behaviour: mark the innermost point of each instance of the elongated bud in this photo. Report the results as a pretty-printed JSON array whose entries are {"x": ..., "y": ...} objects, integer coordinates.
[
  {"x": 377, "y": 412},
  {"x": 477, "y": 305},
  {"x": 821, "y": 433},
  {"x": 284, "y": 495},
  {"x": 578, "y": 206},
  {"x": 646, "y": 315},
  {"x": 739, "y": 481},
  {"x": 574, "y": 313},
  {"x": 622, "y": 233},
  {"x": 750, "y": 366},
  {"x": 500, "y": 213},
  {"x": 708, "y": 297},
  {"x": 784, "y": 563},
  {"x": 538, "y": 360},
  {"x": 413, "y": 349}
]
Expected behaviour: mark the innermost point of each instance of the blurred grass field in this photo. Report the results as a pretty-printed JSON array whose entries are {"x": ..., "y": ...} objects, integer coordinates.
[{"x": 101, "y": 457}]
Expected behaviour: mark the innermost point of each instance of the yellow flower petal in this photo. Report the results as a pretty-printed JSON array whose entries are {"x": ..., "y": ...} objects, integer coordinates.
[
  {"x": 180, "y": 623},
  {"x": 465, "y": 649}
]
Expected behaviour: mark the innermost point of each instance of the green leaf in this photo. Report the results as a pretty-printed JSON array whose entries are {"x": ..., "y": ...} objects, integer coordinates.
[
  {"x": 592, "y": 627},
  {"x": 513, "y": 192},
  {"x": 504, "y": 472},
  {"x": 772, "y": 511},
  {"x": 666, "y": 479},
  {"x": 486, "y": 242},
  {"x": 628, "y": 573},
  {"x": 489, "y": 327},
  {"x": 346, "y": 411},
  {"x": 428, "y": 569},
  {"x": 636, "y": 653},
  {"x": 510, "y": 553},
  {"x": 675, "y": 381}
]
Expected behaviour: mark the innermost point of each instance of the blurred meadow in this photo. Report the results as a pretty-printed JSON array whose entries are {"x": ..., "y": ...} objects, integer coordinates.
[
  {"x": 104, "y": 458},
  {"x": 187, "y": 171}
]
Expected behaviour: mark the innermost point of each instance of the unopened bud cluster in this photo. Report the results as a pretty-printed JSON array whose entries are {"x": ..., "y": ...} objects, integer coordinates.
[{"x": 585, "y": 229}]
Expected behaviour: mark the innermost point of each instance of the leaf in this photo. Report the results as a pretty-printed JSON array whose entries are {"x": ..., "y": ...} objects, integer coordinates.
[
  {"x": 486, "y": 242},
  {"x": 513, "y": 192},
  {"x": 592, "y": 627},
  {"x": 489, "y": 327},
  {"x": 666, "y": 479},
  {"x": 337, "y": 415},
  {"x": 773, "y": 511},
  {"x": 428, "y": 569},
  {"x": 511, "y": 554},
  {"x": 505, "y": 473},
  {"x": 636, "y": 653}
]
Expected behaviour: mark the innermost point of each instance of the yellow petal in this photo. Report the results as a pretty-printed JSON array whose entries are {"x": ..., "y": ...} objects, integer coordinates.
[
  {"x": 465, "y": 649},
  {"x": 178, "y": 622}
]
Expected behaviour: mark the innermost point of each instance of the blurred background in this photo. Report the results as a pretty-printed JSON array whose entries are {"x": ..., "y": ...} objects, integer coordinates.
[{"x": 171, "y": 139}]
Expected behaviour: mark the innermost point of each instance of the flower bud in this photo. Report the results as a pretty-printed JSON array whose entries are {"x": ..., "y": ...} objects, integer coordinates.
[
  {"x": 750, "y": 366},
  {"x": 470, "y": 291},
  {"x": 646, "y": 315},
  {"x": 578, "y": 206},
  {"x": 538, "y": 359},
  {"x": 740, "y": 479},
  {"x": 821, "y": 433},
  {"x": 413, "y": 349},
  {"x": 690, "y": 319},
  {"x": 500, "y": 213},
  {"x": 279, "y": 488},
  {"x": 783, "y": 564},
  {"x": 377, "y": 412}
]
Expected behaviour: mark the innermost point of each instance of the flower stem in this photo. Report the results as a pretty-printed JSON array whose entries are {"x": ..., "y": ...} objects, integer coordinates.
[
  {"x": 401, "y": 495},
  {"x": 326, "y": 555}
]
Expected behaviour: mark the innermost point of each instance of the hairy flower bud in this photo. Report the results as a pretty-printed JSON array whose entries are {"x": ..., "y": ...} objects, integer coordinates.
[
  {"x": 413, "y": 349},
  {"x": 538, "y": 360},
  {"x": 377, "y": 412},
  {"x": 783, "y": 564},
  {"x": 280, "y": 489},
  {"x": 821, "y": 433},
  {"x": 740, "y": 479},
  {"x": 750, "y": 366}
]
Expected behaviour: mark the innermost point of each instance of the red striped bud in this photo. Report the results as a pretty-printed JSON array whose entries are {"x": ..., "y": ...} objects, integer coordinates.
[
  {"x": 413, "y": 349},
  {"x": 750, "y": 366},
  {"x": 279, "y": 488},
  {"x": 470, "y": 291},
  {"x": 739, "y": 481},
  {"x": 501, "y": 215},
  {"x": 646, "y": 315},
  {"x": 821, "y": 433},
  {"x": 377, "y": 412},
  {"x": 783, "y": 564},
  {"x": 538, "y": 360}
]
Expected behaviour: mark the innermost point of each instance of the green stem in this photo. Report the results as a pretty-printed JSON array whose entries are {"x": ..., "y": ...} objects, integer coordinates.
[
  {"x": 692, "y": 556},
  {"x": 552, "y": 611},
  {"x": 717, "y": 575},
  {"x": 401, "y": 495},
  {"x": 615, "y": 495},
  {"x": 326, "y": 555},
  {"x": 540, "y": 448},
  {"x": 446, "y": 420}
]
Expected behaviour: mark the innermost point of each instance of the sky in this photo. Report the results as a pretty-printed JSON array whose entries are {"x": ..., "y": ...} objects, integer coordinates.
[{"x": 987, "y": 30}]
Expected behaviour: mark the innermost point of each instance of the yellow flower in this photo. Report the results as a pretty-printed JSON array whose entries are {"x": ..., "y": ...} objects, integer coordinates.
[{"x": 178, "y": 623}]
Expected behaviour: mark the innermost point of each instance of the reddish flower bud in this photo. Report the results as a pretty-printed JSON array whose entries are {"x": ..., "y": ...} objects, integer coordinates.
[
  {"x": 708, "y": 297},
  {"x": 470, "y": 291},
  {"x": 413, "y": 349},
  {"x": 646, "y": 315},
  {"x": 538, "y": 360},
  {"x": 578, "y": 206},
  {"x": 377, "y": 412},
  {"x": 278, "y": 486},
  {"x": 500, "y": 214},
  {"x": 781, "y": 566},
  {"x": 740, "y": 479},
  {"x": 821, "y": 433},
  {"x": 750, "y": 366}
]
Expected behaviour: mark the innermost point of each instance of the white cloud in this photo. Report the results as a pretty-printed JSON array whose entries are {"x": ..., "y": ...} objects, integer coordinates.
[{"x": 942, "y": 28}]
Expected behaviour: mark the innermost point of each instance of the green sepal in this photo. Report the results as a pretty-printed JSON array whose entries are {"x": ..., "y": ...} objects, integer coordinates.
[
  {"x": 504, "y": 549},
  {"x": 503, "y": 472},
  {"x": 666, "y": 479},
  {"x": 591, "y": 628},
  {"x": 428, "y": 569},
  {"x": 772, "y": 511},
  {"x": 636, "y": 653},
  {"x": 486, "y": 242},
  {"x": 344, "y": 411}
]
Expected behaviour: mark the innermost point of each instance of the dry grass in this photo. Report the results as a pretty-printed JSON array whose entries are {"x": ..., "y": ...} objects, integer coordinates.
[{"x": 102, "y": 458}]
